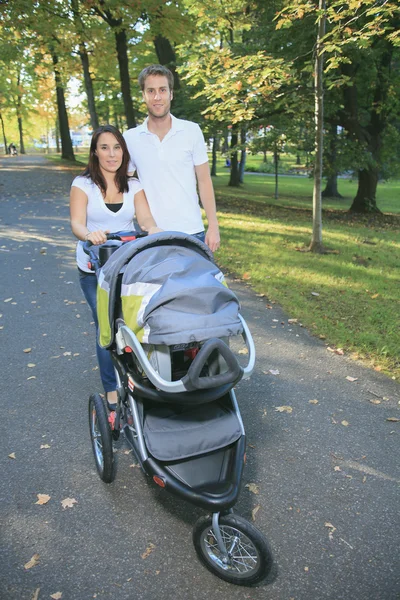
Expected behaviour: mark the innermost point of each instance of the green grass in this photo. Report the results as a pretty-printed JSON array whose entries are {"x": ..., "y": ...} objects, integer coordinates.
[
  {"x": 296, "y": 191},
  {"x": 263, "y": 242}
]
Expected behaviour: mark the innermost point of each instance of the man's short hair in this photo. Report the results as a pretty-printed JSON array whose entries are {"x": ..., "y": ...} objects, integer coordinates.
[{"x": 156, "y": 70}]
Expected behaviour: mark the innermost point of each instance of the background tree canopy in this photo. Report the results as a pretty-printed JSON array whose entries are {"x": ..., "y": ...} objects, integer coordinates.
[{"x": 243, "y": 69}]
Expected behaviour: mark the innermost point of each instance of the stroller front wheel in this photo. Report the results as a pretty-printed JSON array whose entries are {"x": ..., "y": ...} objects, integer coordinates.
[
  {"x": 249, "y": 558},
  {"x": 100, "y": 434}
]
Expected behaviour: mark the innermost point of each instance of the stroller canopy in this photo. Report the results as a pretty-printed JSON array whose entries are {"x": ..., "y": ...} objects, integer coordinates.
[{"x": 171, "y": 292}]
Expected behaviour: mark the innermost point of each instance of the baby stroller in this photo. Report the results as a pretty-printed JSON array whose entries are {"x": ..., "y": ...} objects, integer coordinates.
[{"x": 166, "y": 316}]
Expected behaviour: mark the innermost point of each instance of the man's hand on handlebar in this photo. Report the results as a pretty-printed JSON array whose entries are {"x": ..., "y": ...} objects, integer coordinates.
[
  {"x": 97, "y": 237},
  {"x": 154, "y": 230}
]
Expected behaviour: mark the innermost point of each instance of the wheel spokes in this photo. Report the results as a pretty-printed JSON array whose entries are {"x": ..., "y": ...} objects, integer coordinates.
[{"x": 242, "y": 553}]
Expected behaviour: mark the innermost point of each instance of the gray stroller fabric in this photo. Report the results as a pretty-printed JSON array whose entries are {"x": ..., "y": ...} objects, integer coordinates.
[
  {"x": 171, "y": 292},
  {"x": 172, "y": 435}
]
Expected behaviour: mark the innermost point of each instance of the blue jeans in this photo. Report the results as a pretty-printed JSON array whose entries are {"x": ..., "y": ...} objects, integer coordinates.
[
  {"x": 200, "y": 236},
  {"x": 88, "y": 283}
]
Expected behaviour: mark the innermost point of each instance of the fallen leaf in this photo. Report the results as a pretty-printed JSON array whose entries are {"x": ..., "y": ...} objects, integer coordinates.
[
  {"x": 68, "y": 502},
  {"x": 33, "y": 562},
  {"x": 8, "y": 300},
  {"x": 243, "y": 351},
  {"x": 339, "y": 351},
  {"x": 330, "y": 526},
  {"x": 313, "y": 401},
  {"x": 374, "y": 296},
  {"x": 12, "y": 455},
  {"x": 246, "y": 276},
  {"x": 337, "y": 468},
  {"x": 43, "y": 446},
  {"x": 56, "y": 596},
  {"x": 150, "y": 548},
  {"x": 292, "y": 321},
  {"x": 36, "y": 594},
  {"x": 31, "y": 365},
  {"x": 306, "y": 569},
  {"x": 345, "y": 423},
  {"x": 314, "y": 294},
  {"x": 252, "y": 487},
  {"x": 351, "y": 378},
  {"x": 42, "y": 499},
  {"x": 134, "y": 465},
  {"x": 274, "y": 371},
  {"x": 373, "y": 401},
  {"x": 31, "y": 377},
  {"x": 255, "y": 511},
  {"x": 268, "y": 306},
  {"x": 287, "y": 409},
  {"x": 393, "y": 419},
  {"x": 27, "y": 350}
]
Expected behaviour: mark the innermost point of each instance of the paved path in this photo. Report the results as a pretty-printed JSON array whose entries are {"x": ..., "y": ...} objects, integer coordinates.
[{"x": 328, "y": 471}]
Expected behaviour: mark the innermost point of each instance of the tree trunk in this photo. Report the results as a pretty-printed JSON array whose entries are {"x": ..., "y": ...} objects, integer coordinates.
[
  {"x": 331, "y": 188},
  {"x": 67, "y": 150},
  {"x": 167, "y": 57},
  {"x": 365, "y": 200},
  {"x": 316, "y": 240},
  {"x": 242, "y": 154},
  {"x": 214, "y": 157},
  {"x": 57, "y": 136},
  {"x": 4, "y": 134},
  {"x": 123, "y": 62},
  {"x": 276, "y": 163},
  {"x": 21, "y": 136},
  {"x": 94, "y": 120},
  {"x": 225, "y": 145},
  {"x": 19, "y": 118},
  {"x": 80, "y": 28},
  {"x": 234, "y": 180}
]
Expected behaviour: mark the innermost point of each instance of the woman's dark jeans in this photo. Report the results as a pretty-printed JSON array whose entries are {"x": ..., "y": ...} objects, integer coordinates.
[{"x": 88, "y": 283}]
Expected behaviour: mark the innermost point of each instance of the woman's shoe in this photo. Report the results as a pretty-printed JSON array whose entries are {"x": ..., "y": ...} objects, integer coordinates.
[{"x": 110, "y": 406}]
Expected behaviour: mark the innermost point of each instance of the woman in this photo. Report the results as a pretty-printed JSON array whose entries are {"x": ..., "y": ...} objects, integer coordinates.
[{"x": 104, "y": 199}]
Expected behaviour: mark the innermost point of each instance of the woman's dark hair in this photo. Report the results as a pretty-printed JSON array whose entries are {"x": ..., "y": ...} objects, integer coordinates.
[{"x": 93, "y": 168}]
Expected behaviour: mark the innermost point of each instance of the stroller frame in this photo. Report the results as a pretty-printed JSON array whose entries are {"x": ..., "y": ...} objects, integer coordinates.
[{"x": 210, "y": 480}]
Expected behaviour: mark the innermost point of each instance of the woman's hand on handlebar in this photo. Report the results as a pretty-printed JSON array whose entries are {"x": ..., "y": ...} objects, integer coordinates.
[{"x": 97, "y": 237}]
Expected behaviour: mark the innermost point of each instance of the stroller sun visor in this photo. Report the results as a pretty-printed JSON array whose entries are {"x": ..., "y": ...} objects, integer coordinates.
[{"x": 171, "y": 292}]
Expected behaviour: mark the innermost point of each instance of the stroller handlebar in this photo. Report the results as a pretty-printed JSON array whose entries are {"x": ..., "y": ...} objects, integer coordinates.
[
  {"x": 192, "y": 380},
  {"x": 121, "y": 236}
]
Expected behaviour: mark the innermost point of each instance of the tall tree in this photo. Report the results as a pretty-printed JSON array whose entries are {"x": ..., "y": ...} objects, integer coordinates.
[
  {"x": 84, "y": 57},
  {"x": 113, "y": 15},
  {"x": 362, "y": 59},
  {"x": 316, "y": 239},
  {"x": 67, "y": 150}
]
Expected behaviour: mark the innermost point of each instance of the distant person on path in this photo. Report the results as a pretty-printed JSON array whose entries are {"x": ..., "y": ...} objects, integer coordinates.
[
  {"x": 104, "y": 199},
  {"x": 12, "y": 149},
  {"x": 169, "y": 155}
]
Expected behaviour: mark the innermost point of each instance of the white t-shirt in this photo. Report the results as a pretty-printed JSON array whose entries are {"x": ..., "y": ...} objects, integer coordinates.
[
  {"x": 166, "y": 171},
  {"x": 99, "y": 216}
]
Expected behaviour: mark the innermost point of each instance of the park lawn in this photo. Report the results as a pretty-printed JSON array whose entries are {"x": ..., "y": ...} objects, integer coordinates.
[
  {"x": 296, "y": 191},
  {"x": 349, "y": 296}
]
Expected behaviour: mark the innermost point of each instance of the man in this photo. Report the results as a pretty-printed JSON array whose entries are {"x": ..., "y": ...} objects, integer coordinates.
[{"x": 169, "y": 155}]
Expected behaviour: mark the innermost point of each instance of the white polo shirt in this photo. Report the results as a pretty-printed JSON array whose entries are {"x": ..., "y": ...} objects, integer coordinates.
[{"x": 166, "y": 171}]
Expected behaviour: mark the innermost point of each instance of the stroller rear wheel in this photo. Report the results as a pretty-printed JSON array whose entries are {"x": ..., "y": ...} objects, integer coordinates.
[
  {"x": 249, "y": 558},
  {"x": 100, "y": 435}
]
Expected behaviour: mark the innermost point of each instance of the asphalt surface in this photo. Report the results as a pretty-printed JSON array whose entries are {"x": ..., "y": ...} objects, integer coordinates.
[{"x": 327, "y": 471}]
